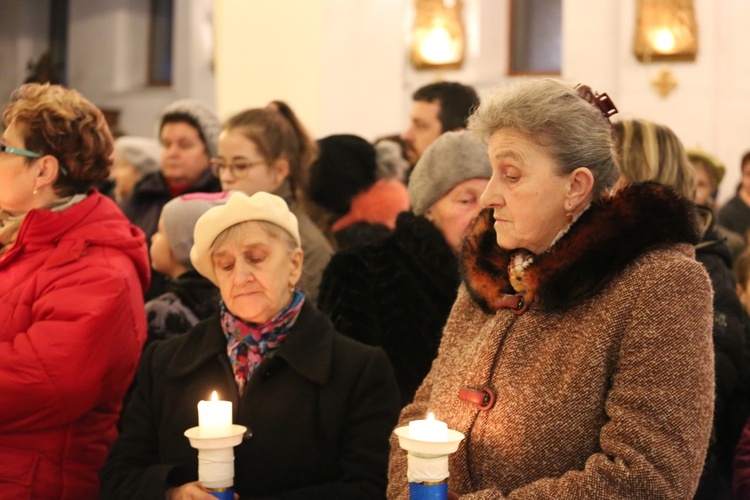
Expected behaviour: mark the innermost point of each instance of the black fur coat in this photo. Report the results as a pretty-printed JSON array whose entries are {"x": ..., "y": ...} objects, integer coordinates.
[{"x": 396, "y": 294}]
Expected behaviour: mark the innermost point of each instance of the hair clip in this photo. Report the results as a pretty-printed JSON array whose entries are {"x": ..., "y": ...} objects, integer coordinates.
[{"x": 602, "y": 101}]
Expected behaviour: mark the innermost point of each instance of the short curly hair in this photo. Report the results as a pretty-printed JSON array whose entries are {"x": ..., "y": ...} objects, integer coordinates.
[{"x": 60, "y": 122}]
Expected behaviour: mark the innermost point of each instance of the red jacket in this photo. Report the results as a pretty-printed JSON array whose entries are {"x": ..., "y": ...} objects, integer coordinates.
[{"x": 72, "y": 325}]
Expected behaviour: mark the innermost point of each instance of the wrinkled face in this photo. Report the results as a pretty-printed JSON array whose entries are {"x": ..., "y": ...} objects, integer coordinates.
[
  {"x": 703, "y": 187},
  {"x": 16, "y": 175},
  {"x": 424, "y": 128},
  {"x": 183, "y": 156},
  {"x": 125, "y": 176},
  {"x": 256, "y": 273},
  {"x": 245, "y": 169},
  {"x": 525, "y": 193},
  {"x": 161, "y": 254},
  {"x": 454, "y": 212}
]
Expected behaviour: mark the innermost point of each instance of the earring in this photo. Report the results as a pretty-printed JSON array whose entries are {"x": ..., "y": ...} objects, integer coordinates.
[
  {"x": 569, "y": 217},
  {"x": 33, "y": 193}
]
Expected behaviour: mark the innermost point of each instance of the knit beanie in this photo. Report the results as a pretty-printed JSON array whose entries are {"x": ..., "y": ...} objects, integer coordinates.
[
  {"x": 143, "y": 153},
  {"x": 453, "y": 158},
  {"x": 180, "y": 215},
  {"x": 345, "y": 166},
  {"x": 203, "y": 116}
]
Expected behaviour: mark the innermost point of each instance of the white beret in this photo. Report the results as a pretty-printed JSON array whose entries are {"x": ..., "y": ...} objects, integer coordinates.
[{"x": 239, "y": 208}]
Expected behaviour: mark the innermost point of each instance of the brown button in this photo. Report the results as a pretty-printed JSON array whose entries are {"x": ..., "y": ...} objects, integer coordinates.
[{"x": 484, "y": 399}]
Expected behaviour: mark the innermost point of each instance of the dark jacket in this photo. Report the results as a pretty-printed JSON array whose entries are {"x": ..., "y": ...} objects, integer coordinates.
[
  {"x": 732, "y": 403},
  {"x": 143, "y": 208},
  {"x": 190, "y": 299},
  {"x": 396, "y": 294},
  {"x": 321, "y": 411}
]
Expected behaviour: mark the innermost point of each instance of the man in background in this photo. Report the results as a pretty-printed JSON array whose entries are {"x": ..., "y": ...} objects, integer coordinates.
[{"x": 437, "y": 108}]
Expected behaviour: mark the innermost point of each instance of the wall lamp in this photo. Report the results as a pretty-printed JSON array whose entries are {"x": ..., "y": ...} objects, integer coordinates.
[{"x": 438, "y": 35}]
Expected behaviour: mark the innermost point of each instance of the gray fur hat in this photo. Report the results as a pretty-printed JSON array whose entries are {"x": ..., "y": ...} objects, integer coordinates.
[
  {"x": 209, "y": 125},
  {"x": 143, "y": 153},
  {"x": 453, "y": 158},
  {"x": 180, "y": 215}
]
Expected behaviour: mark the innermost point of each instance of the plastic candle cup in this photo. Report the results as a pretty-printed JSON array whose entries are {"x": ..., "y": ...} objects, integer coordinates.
[{"x": 430, "y": 429}]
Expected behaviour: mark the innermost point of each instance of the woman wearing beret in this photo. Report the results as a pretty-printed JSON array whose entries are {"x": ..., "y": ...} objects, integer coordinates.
[
  {"x": 397, "y": 293},
  {"x": 577, "y": 359},
  {"x": 320, "y": 406},
  {"x": 72, "y": 274}
]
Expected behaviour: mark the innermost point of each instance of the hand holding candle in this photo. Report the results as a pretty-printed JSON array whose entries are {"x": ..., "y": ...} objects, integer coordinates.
[{"x": 215, "y": 417}]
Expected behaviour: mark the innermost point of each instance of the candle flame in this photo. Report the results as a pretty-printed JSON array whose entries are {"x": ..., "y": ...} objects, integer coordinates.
[
  {"x": 214, "y": 396},
  {"x": 430, "y": 416}
]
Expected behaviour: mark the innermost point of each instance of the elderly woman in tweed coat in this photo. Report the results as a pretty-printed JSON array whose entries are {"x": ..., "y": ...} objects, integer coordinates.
[{"x": 577, "y": 359}]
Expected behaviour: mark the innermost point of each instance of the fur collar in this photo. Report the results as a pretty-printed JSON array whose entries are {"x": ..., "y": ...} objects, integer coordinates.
[{"x": 600, "y": 244}]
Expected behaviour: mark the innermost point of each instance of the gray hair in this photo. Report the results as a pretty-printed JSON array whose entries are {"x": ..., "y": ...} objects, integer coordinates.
[
  {"x": 271, "y": 229},
  {"x": 553, "y": 115}
]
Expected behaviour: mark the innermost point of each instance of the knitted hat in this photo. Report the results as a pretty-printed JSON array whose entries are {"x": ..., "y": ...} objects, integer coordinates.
[
  {"x": 143, "y": 153},
  {"x": 345, "y": 166},
  {"x": 180, "y": 215},
  {"x": 453, "y": 158},
  {"x": 261, "y": 206},
  {"x": 203, "y": 116},
  {"x": 717, "y": 167}
]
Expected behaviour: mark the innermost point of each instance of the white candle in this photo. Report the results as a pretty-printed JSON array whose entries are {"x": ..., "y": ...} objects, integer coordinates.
[
  {"x": 215, "y": 417},
  {"x": 428, "y": 430}
]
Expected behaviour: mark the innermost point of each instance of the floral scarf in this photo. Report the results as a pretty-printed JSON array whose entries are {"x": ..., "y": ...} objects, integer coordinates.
[{"x": 247, "y": 343}]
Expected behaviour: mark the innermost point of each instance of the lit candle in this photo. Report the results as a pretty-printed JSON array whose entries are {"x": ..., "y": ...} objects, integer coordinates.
[
  {"x": 215, "y": 417},
  {"x": 428, "y": 430}
]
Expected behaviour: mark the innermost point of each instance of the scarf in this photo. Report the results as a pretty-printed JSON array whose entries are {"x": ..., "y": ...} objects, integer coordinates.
[
  {"x": 10, "y": 224},
  {"x": 247, "y": 343}
]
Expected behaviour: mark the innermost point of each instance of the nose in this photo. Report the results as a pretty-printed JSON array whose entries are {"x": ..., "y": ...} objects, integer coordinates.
[
  {"x": 408, "y": 135},
  {"x": 243, "y": 273},
  {"x": 225, "y": 174},
  {"x": 491, "y": 197}
]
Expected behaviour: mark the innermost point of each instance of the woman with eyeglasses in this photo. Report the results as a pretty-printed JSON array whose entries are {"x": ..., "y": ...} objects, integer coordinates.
[
  {"x": 73, "y": 271},
  {"x": 267, "y": 149}
]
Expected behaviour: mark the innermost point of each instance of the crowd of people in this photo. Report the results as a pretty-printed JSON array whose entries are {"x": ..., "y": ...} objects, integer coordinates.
[{"x": 557, "y": 284}]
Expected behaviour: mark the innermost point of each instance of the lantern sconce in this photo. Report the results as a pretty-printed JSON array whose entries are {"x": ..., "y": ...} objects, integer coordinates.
[
  {"x": 665, "y": 31},
  {"x": 438, "y": 35}
]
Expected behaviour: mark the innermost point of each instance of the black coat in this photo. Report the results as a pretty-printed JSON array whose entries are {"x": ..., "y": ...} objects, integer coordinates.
[
  {"x": 396, "y": 294},
  {"x": 732, "y": 402},
  {"x": 321, "y": 410}
]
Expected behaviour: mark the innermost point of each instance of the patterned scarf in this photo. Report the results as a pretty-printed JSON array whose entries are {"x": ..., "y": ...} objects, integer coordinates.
[
  {"x": 247, "y": 343},
  {"x": 519, "y": 263}
]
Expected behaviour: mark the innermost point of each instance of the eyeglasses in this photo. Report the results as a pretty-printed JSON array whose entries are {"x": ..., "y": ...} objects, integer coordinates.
[
  {"x": 238, "y": 168},
  {"x": 18, "y": 151}
]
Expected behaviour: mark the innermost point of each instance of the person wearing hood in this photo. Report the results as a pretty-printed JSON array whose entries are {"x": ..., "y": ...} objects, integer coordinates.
[
  {"x": 577, "y": 359},
  {"x": 73, "y": 271}
]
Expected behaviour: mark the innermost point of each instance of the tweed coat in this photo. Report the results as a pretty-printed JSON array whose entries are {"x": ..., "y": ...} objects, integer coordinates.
[
  {"x": 603, "y": 379},
  {"x": 320, "y": 410}
]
